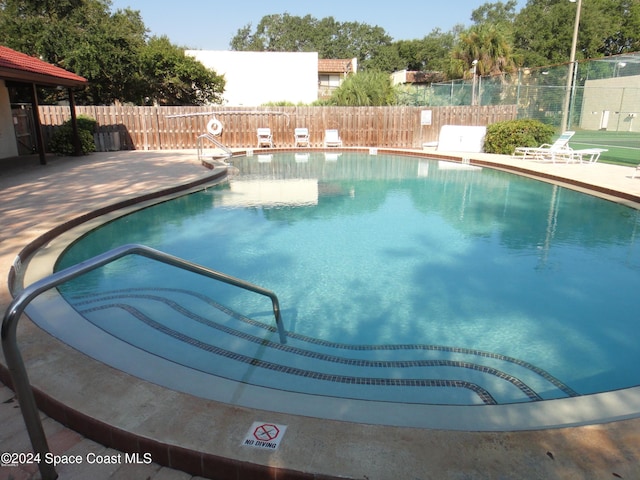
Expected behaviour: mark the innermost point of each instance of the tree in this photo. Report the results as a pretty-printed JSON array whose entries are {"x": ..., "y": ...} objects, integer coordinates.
[
  {"x": 625, "y": 38},
  {"x": 363, "y": 42},
  {"x": 549, "y": 39},
  {"x": 107, "y": 54},
  {"x": 543, "y": 30},
  {"x": 84, "y": 37},
  {"x": 278, "y": 33},
  {"x": 408, "y": 53},
  {"x": 486, "y": 44},
  {"x": 432, "y": 53},
  {"x": 243, "y": 40},
  {"x": 281, "y": 33},
  {"x": 172, "y": 78},
  {"x": 499, "y": 14},
  {"x": 80, "y": 36},
  {"x": 331, "y": 39}
]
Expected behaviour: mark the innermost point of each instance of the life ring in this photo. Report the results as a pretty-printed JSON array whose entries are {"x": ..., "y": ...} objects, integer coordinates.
[{"x": 214, "y": 127}]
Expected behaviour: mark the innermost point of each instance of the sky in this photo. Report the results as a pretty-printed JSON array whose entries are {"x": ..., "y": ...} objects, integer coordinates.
[{"x": 207, "y": 25}]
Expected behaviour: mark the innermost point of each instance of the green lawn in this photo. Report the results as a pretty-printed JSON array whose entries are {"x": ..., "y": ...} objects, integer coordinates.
[{"x": 623, "y": 147}]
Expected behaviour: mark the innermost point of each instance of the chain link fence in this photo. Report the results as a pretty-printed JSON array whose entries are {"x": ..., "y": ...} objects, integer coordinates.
[{"x": 601, "y": 102}]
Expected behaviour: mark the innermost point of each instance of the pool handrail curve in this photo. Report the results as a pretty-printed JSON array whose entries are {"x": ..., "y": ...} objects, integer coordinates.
[{"x": 14, "y": 360}]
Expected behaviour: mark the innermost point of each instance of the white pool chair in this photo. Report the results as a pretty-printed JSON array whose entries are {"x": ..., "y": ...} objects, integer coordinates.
[
  {"x": 301, "y": 136},
  {"x": 264, "y": 137},
  {"x": 588, "y": 155},
  {"x": 558, "y": 150},
  {"x": 332, "y": 138}
]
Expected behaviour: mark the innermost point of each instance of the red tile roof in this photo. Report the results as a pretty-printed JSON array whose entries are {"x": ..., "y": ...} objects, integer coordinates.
[
  {"x": 21, "y": 67},
  {"x": 333, "y": 65}
]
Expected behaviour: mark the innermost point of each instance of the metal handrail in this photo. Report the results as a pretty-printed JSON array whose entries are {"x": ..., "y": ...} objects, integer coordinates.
[
  {"x": 14, "y": 360},
  {"x": 217, "y": 143}
]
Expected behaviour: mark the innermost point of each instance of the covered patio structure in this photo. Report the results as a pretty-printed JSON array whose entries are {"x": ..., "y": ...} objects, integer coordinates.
[{"x": 20, "y": 69}]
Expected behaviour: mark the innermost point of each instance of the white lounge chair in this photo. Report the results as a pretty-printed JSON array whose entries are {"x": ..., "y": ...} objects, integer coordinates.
[
  {"x": 301, "y": 137},
  {"x": 559, "y": 149},
  {"x": 264, "y": 137},
  {"x": 587, "y": 155},
  {"x": 332, "y": 138}
]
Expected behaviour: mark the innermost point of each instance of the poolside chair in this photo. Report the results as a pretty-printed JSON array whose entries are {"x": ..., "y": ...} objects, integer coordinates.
[
  {"x": 301, "y": 137},
  {"x": 558, "y": 150},
  {"x": 264, "y": 137},
  {"x": 636, "y": 172},
  {"x": 332, "y": 138},
  {"x": 587, "y": 155}
]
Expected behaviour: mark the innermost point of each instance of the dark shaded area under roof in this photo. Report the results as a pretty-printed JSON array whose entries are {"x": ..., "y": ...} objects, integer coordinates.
[{"x": 22, "y": 68}]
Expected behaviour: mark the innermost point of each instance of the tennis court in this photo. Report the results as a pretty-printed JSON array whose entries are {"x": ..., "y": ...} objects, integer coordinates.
[{"x": 623, "y": 147}]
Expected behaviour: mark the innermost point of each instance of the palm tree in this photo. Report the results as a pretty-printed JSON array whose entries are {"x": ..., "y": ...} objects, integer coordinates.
[{"x": 489, "y": 46}]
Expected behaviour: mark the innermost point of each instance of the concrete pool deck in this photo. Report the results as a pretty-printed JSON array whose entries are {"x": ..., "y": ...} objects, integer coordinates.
[{"x": 36, "y": 199}]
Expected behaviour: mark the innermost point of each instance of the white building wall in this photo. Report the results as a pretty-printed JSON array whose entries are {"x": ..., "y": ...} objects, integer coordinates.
[
  {"x": 399, "y": 77},
  {"x": 256, "y": 78},
  {"x": 8, "y": 144},
  {"x": 612, "y": 104}
]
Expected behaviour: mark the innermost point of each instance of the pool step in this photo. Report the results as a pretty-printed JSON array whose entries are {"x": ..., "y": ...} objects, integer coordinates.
[{"x": 191, "y": 329}]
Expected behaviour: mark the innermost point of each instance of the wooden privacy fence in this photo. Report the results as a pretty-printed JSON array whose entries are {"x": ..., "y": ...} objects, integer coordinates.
[{"x": 164, "y": 128}]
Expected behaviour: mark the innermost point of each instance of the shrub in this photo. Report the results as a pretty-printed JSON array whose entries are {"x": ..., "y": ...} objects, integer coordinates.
[
  {"x": 85, "y": 123},
  {"x": 62, "y": 140},
  {"x": 365, "y": 89},
  {"x": 504, "y": 137}
]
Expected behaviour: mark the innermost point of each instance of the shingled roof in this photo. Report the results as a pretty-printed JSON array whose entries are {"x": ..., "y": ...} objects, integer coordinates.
[
  {"x": 20, "y": 67},
  {"x": 335, "y": 65}
]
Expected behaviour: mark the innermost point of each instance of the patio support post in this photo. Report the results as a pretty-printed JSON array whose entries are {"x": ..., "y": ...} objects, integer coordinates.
[
  {"x": 38, "y": 126},
  {"x": 77, "y": 148}
]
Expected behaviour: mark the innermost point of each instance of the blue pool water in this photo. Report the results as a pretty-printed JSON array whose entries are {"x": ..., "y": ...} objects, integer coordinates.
[{"x": 400, "y": 280}]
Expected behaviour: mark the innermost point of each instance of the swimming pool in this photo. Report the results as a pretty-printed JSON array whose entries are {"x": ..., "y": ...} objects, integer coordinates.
[{"x": 401, "y": 280}]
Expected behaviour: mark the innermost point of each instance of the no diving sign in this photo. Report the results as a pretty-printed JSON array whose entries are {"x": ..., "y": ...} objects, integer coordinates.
[{"x": 264, "y": 435}]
